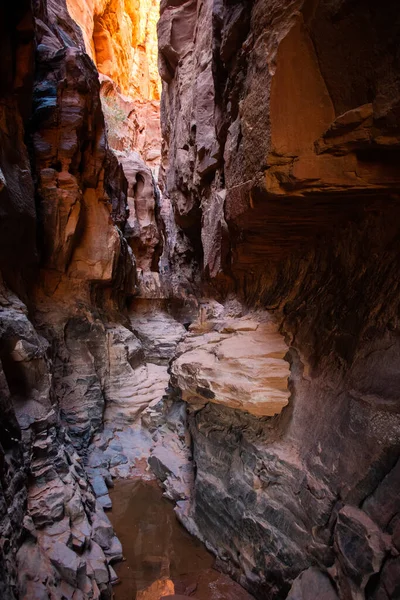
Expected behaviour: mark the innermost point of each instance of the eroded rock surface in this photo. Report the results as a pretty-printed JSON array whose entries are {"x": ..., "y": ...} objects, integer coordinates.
[
  {"x": 278, "y": 433},
  {"x": 50, "y": 504},
  {"x": 238, "y": 363},
  {"x": 120, "y": 37},
  {"x": 281, "y": 167},
  {"x": 71, "y": 194},
  {"x": 142, "y": 422},
  {"x": 142, "y": 228}
]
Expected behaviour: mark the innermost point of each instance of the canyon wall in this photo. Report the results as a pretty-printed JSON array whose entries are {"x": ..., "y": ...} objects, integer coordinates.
[
  {"x": 282, "y": 144},
  {"x": 241, "y": 326},
  {"x": 83, "y": 229},
  {"x": 120, "y": 37},
  {"x": 66, "y": 269}
]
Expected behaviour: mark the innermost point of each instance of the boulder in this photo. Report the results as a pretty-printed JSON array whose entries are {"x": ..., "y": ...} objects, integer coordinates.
[
  {"x": 312, "y": 584},
  {"x": 360, "y": 545}
]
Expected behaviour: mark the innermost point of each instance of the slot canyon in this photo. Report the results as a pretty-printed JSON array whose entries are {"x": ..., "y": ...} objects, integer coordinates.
[{"x": 199, "y": 300}]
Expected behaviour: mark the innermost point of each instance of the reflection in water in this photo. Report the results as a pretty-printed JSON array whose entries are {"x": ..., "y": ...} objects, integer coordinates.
[{"x": 155, "y": 545}]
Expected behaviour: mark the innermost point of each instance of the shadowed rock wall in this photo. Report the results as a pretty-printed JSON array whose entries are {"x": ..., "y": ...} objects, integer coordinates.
[
  {"x": 281, "y": 130},
  {"x": 18, "y": 222},
  {"x": 64, "y": 257}
]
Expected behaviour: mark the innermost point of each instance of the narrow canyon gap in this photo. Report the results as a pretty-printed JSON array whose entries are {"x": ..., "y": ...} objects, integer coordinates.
[{"x": 199, "y": 291}]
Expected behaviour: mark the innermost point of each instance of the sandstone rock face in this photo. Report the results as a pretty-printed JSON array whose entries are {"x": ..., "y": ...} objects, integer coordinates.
[
  {"x": 82, "y": 215},
  {"x": 52, "y": 356},
  {"x": 71, "y": 363},
  {"x": 48, "y": 521},
  {"x": 159, "y": 334},
  {"x": 253, "y": 134},
  {"x": 142, "y": 230},
  {"x": 120, "y": 36},
  {"x": 132, "y": 124},
  {"x": 278, "y": 433},
  {"x": 238, "y": 363},
  {"x": 281, "y": 167}
]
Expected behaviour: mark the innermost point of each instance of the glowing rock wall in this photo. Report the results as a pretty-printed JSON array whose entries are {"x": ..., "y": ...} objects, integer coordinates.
[{"x": 121, "y": 38}]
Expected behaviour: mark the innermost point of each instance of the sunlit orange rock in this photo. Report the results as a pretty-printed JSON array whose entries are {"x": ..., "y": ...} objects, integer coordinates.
[
  {"x": 120, "y": 36},
  {"x": 159, "y": 589}
]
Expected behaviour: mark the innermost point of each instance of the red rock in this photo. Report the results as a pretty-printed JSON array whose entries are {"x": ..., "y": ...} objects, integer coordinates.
[{"x": 280, "y": 180}]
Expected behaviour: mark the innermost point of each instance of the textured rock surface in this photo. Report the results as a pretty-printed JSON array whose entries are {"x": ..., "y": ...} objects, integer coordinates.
[
  {"x": 281, "y": 167},
  {"x": 142, "y": 230},
  {"x": 120, "y": 37},
  {"x": 50, "y": 505},
  {"x": 257, "y": 140},
  {"x": 70, "y": 361},
  {"x": 132, "y": 124},
  {"x": 72, "y": 255},
  {"x": 312, "y": 584},
  {"x": 238, "y": 363},
  {"x": 82, "y": 213},
  {"x": 360, "y": 547},
  {"x": 280, "y": 177}
]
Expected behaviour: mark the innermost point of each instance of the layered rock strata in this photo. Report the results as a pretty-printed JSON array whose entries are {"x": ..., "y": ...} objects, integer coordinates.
[
  {"x": 278, "y": 433},
  {"x": 238, "y": 363},
  {"x": 251, "y": 135},
  {"x": 75, "y": 377},
  {"x": 56, "y": 540},
  {"x": 73, "y": 270},
  {"x": 281, "y": 129}
]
